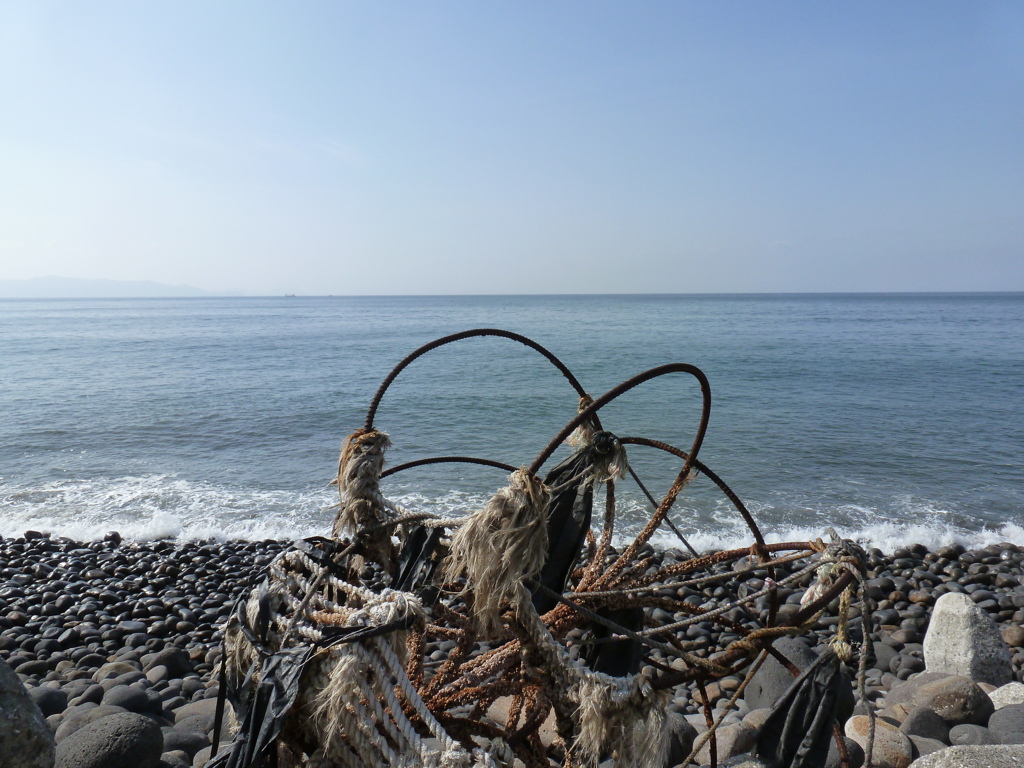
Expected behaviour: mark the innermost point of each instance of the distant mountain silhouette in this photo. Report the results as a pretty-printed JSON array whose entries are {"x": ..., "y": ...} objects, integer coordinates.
[{"x": 81, "y": 288}]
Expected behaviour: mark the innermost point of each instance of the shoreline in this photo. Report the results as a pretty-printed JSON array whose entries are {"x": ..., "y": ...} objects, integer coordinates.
[{"x": 115, "y": 626}]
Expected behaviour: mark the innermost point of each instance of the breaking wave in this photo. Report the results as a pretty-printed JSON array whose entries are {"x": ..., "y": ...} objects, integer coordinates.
[{"x": 146, "y": 507}]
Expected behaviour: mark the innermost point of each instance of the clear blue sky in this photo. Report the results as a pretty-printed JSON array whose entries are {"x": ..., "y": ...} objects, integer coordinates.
[{"x": 479, "y": 147}]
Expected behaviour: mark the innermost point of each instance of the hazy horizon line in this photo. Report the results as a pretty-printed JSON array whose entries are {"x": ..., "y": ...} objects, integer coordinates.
[{"x": 240, "y": 295}]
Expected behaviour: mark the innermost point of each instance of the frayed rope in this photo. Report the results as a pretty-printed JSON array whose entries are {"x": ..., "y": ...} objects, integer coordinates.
[
  {"x": 501, "y": 545},
  {"x": 359, "y": 469}
]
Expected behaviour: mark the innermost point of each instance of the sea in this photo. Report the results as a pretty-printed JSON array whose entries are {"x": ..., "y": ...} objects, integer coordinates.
[{"x": 891, "y": 418}]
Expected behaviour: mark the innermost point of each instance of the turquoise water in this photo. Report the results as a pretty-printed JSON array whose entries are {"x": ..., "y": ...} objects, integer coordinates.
[{"x": 890, "y": 417}]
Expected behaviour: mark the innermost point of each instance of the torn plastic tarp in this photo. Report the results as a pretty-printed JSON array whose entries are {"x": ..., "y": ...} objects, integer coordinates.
[{"x": 797, "y": 732}]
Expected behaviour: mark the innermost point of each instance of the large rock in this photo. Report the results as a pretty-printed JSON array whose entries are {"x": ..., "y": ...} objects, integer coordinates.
[
  {"x": 25, "y": 737},
  {"x": 973, "y": 757},
  {"x": 772, "y": 679},
  {"x": 892, "y": 747},
  {"x": 956, "y": 700},
  {"x": 81, "y": 716},
  {"x": 963, "y": 639},
  {"x": 119, "y": 741}
]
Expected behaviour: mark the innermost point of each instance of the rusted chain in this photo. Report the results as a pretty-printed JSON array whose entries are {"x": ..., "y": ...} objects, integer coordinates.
[
  {"x": 633, "y": 589},
  {"x": 705, "y": 561}
]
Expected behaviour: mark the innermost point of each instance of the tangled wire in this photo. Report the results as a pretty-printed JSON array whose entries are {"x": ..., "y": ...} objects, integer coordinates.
[{"x": 552, "y": 654}]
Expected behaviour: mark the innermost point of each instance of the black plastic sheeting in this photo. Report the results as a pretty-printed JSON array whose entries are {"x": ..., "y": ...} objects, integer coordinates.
[
  {"x": 798, "y": 731},
  {"x": 261, "y": 715},
  {"x": 569, "y": 515}
]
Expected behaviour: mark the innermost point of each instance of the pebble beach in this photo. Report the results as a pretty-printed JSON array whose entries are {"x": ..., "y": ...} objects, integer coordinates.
[{"x": 110, "y": 627}]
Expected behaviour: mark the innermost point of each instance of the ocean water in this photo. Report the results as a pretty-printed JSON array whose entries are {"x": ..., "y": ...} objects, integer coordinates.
[{"x": 892, "y": 418}]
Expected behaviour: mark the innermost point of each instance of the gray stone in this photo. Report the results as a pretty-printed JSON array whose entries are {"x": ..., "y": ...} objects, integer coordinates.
[
  {"x": 176, "y": 660},
  {"x": 1005, "y": 695},
  {"x": 772, "y": 679},
  {"x": 157, "y": 674},
  {"x": 743, "y": 761},
  {"x": 1013, "y": 635},
  {"x": 732, "y": 740},
  {"x": 113, "y": 669},
  {"x": 94, "y": 693},
  {"x": 681, "y": 738},
  {"x": 957, "y": 700},
  {"x": 51, "y": 701},
  {"x": 755, "y": 718},
  {"x": 202, "y": 757},
  {"x": 25, "y": 737},
  {"x": 903, "y": 693},
  {"x": 962, "y": 639},
  {"x": 1007, "y": 725},
  {"x": 206, "y": 707},
  {"x": 892, "y": 747},
  {"x": 191, "y": 742},
  {"x": 925, "y": 722},
  {"x": 854, "y": 754},
  {"x": 973, "y": 757},
  {"x": 925, "y": 746},
  {"x": 126, "y": 740},
  {"x": 884, "y": 654},
  {"x": 960, "y": 735},
  {"x": 126, "y": 679},
  {"x": 127, "y": 697},
  {"x": 79, "y": 717},
  {"x": 199, "y": 716}
]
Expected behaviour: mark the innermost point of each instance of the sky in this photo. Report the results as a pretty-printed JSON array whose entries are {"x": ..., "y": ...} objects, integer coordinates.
[{"x": 528, "y": 147}]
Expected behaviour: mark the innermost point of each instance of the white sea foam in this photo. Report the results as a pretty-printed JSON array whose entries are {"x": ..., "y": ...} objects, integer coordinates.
[
  {"x": 930, "y": 530},
  {"x": 145, "y": 507},
  {"x": 160, "y": 506}
]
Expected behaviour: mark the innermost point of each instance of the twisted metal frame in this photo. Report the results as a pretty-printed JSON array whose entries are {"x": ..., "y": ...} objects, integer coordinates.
[{"x": 478, "y": 671}]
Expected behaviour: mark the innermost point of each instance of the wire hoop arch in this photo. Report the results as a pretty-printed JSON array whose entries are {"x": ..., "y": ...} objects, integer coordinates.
[{"x": 474, "y": 333}]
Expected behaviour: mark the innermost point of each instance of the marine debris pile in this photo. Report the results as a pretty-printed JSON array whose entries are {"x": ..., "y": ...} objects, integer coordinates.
[{"x": 560, "y": 648}]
